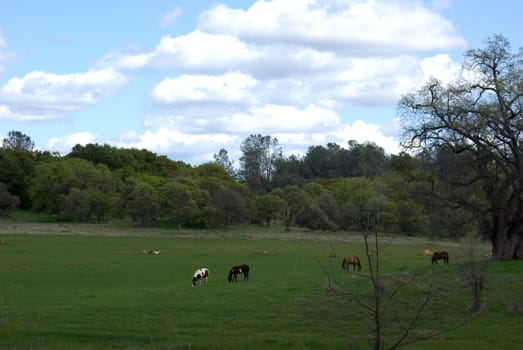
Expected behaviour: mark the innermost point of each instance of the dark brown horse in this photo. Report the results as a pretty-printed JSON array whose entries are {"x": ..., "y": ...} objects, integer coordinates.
[
  {"x": 235, "y": 270},
  {"x": 440, "y": 256},
  {"x": 351, "y": 260}
]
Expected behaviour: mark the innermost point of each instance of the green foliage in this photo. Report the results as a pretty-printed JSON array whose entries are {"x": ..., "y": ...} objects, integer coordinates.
[
  {"x": 327, "y": 203},
  {"x": 355, "y": 197},
  {"x": 366, "y": 160},
  {"x": 405, "y": 217},
  {"x": 268, "y": 207},
  {"x": 73, "y": 188},
  {"x": 16, "y": 167},
  {"x": 75, "y": 205},
  {"x": 46, "y": 186},
  {"x": 230, "y": 206},
  {"x": 211, "y": 177},
  {"x": 132, "y": 160},
  {"x": 295, "y": 199},
  {"x": 326, "y": 162},
  {"x": 183, "y": 203},
  {"x": 143, "y": 204},
  {"x": 8, "y": 202},
  {"x": 222, "y": 159},
  {"x": 98, "y": 183},
  {"x": 358, "y": 160},
  {"x": 314, "y": 218},
  {"x": 260, "y": 155}
]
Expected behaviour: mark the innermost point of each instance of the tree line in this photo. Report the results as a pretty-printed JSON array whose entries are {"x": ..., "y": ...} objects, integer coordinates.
[{"x": 329, "y": 188}]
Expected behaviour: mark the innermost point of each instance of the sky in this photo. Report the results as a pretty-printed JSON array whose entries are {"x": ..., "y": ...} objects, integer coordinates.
[{"x": 186, "y": 79}]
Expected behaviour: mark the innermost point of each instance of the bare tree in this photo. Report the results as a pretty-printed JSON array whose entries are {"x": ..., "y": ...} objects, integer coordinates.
[
  {"x": 475, "y": 269},
  {"x": 392, "y": 325}
]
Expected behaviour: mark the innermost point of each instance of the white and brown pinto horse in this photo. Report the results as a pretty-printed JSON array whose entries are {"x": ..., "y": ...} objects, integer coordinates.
[
  {"x": 199, "y": 275},
  {"x": 235, "y": 270}
]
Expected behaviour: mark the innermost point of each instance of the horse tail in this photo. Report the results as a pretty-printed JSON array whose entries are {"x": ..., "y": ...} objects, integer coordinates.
[{"x": 359, "y": 264}]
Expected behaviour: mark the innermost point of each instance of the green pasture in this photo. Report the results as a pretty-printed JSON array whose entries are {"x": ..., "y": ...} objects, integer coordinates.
[{"x": 101, "y": 292}]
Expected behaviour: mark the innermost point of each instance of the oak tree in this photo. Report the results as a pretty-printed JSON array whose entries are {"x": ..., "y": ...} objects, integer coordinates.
[{"x": 478, "y": 119}]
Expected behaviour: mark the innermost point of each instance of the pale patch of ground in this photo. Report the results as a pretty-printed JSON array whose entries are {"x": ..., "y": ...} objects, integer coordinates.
[{"x": 9, "y": 227}]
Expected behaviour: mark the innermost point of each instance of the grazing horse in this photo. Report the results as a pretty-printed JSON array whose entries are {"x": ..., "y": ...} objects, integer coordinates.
[
  {"x": 200, "y": 274},
  {"x": 351, "y": 260},
  {"x": 235, "y": 270},
  {"x": 440, "y": 256}
]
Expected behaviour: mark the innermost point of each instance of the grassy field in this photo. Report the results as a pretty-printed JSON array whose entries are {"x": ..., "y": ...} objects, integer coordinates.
[{"x": 84, "y": 291}]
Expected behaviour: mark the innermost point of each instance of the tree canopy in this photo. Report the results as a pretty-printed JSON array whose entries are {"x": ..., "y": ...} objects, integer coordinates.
[
  {"x": 16, "y": 140},
  {"x": 476, "y": 123}
]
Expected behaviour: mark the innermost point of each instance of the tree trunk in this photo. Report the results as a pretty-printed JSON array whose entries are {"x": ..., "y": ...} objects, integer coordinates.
[{"x": 506, "y": 246}]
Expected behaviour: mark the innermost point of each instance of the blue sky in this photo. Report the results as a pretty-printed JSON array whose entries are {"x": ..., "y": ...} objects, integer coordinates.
[{"x": 188, "y": 78}]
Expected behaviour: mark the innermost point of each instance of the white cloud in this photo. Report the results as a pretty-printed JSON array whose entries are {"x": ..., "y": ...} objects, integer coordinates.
[
  {"x": 192, "y": 148},
  {"x": 64, "y": 144},
  {"x": 362, "y": 131},
  {"x": 199, "y": 147},
  {"x": 287, "y": 68},
  {"x": 230, "y": 87},
  {"x": 361, "y": 27},
  {"x": 284, "y": 68},
  {"x": 441, "y": 67},
  {"x": 196, "y": 51},
  {"x": 45, "y": 96}
]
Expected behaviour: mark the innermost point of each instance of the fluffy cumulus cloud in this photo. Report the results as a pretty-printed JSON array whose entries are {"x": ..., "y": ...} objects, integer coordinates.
[
  {"x": 45, "y": 96},
  {"x": 291, "y": 69},
  {"x": 357, "y": 27}
]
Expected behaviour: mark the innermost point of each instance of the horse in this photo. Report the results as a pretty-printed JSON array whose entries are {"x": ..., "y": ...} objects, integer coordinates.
[
  {"x": 200, "y": 274},
  {"x": 235, "y": 270},
  {"x": 351, "y": 260},
  {"x": 440, "y": 256}
]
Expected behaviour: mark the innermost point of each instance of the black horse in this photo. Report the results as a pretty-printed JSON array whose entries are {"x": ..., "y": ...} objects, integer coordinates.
[
  {"x": 235, "y": 270},
  {"x": 440, "y": 256}
]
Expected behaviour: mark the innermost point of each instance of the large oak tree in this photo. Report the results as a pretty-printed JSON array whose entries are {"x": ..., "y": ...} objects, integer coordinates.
[{"x": 479, "y": 119}]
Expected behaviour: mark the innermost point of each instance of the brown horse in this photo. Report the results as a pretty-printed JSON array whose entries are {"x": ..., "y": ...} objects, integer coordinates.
[
  {"x": 440, "y": 256},
  {"x": 351, "y": 260}
]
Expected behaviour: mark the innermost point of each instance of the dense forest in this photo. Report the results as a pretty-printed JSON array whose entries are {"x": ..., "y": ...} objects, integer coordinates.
[{"x": 329, "y": 188}]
